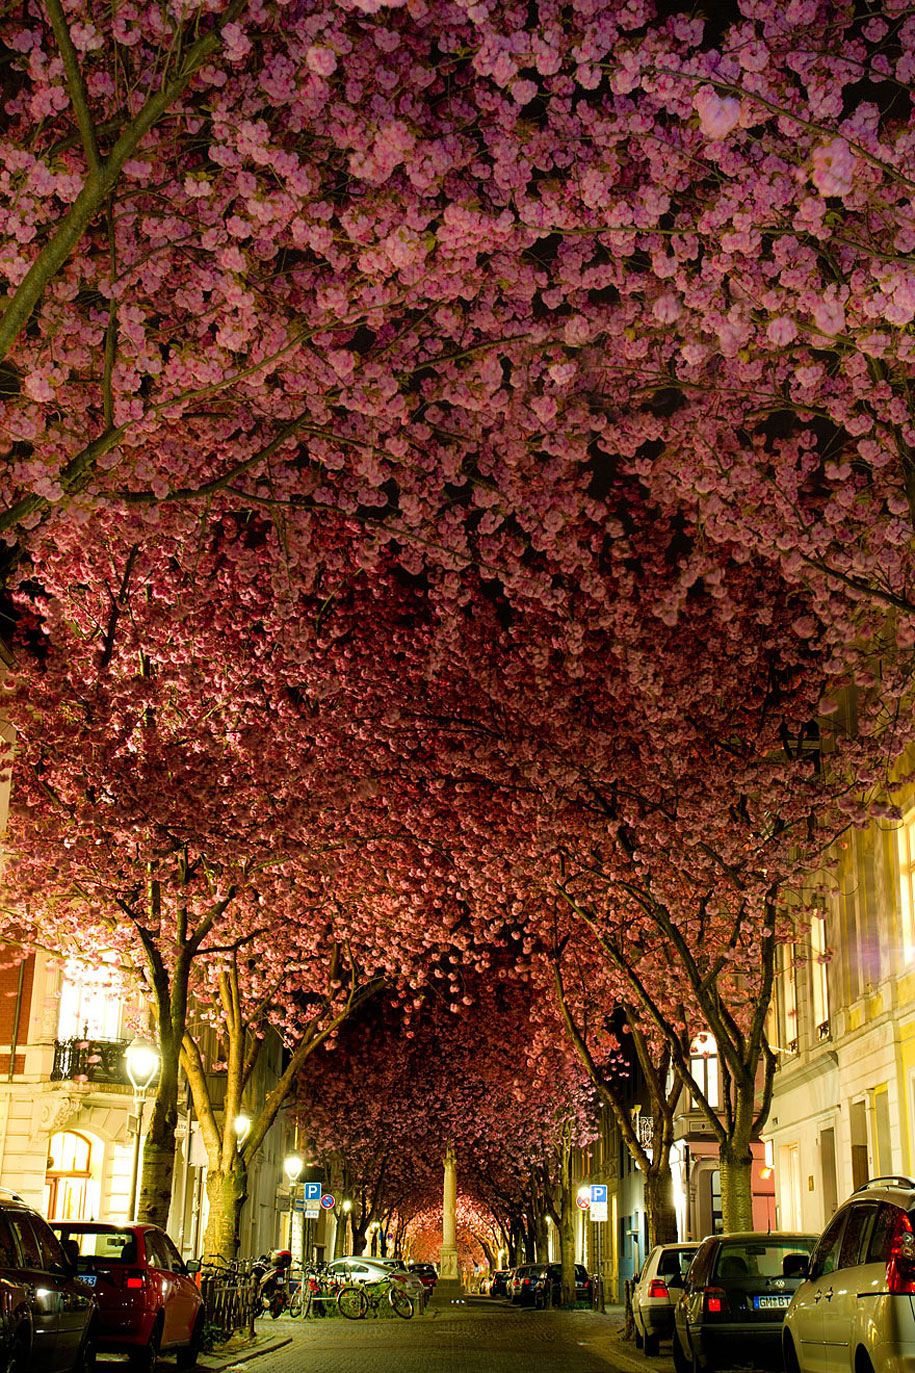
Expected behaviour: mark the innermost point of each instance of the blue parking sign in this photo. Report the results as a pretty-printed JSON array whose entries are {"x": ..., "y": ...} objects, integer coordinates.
[
  {"x": 313, "y": 1191},
  {"x": 598, "y": 1193}
]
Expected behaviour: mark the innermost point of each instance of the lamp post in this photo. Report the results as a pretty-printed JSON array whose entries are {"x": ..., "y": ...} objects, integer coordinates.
[
  {"x": 293, "y": 1169},
  {"x": 142, "y": 1062}
]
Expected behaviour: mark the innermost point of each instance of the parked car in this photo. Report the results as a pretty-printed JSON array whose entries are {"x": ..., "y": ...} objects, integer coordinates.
[
  {"x": 548, "y": 1291},
  {"x": 426, "y": 1272},
  {"x": 734, "y": 1298},
  {"x": 356, "y": 1268},
  {"x": 653, "y": 1297},
  {"x": 147, "y": 1298},
  {"x": 497, "y": 1286},
  {"x": 855, "y": 1308},
  {"x": 522, "y": 1288},
  {"x": 48, "y": 1316}
]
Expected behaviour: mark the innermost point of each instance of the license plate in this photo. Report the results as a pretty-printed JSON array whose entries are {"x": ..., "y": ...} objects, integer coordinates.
[
  {"x": 90, "y": 1279},
  {"x": 767, "y": 1303}
]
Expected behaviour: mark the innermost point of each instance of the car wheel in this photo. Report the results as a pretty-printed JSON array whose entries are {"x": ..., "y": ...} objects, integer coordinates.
[
  {"x": 681, "y": 1363},
  {"x": 19, "y": 1357},
  {"x": 186, "y": 1358},
  {"x": 651, "y": 1344},
  {"x": 145, "y": 1360},
  {"x": 637, "y": 1332},
  {"x": 85, "y": 1359}
]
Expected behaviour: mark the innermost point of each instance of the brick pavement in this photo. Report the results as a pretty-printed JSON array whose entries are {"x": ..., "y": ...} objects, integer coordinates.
[{"x": 475, "y": 1338}]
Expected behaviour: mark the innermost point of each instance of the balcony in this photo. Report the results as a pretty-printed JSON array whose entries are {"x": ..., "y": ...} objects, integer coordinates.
[{"x": 90, "y": 1060}]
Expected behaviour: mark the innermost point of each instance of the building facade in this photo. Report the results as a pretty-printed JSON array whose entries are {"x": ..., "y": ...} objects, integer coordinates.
[{"x": 844, "y": 1104}]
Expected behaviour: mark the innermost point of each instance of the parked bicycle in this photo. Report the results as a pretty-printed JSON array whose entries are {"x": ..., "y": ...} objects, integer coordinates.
[{"x": 355, "y": 1300}]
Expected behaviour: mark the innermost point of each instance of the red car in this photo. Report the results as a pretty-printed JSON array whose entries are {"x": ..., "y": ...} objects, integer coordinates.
[{"x": 147, "y": 1300}]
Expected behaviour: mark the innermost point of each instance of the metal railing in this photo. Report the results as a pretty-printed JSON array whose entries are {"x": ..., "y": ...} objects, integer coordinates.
[
  {"x": 90, "y": 1060},
  {"x": 229, "y": 1295}
]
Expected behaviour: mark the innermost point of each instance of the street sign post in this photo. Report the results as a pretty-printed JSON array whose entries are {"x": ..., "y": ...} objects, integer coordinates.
[{"x": 598, "y": 1199}]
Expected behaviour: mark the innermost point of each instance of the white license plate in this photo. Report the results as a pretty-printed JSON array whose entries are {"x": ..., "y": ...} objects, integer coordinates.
[{"x": 767, "y": 1303}]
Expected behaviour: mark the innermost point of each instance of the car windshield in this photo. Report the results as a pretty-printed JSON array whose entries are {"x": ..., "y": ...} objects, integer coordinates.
[
  {"x": 758, "y": 1258},
  {"x": 111, "y": 1244}
]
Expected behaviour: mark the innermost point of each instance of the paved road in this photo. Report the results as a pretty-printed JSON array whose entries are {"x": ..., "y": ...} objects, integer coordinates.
[{"x": 449, "y": 1339}]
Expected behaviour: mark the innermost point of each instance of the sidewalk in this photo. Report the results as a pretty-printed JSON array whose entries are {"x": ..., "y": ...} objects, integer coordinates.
[{"x": 242, "y": 1350}]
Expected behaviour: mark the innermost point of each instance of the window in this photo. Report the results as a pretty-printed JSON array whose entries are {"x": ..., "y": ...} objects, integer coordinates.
[
  {"x": 819, "y": 959},
  {"x": 8, "y": 1255},
  {"x": 905, "y": 838},
  {"x": 857, "y": 1237},
  {"x": 703, "y": 1064},
  {"x": 89, "y": 1007},
  {"x": 28, "y": 1245},
  {"x": 48, "y": 1244},
  {"x": 67, "y": 1184},
  {"x": 826, "y": 1254},
  {"x": 787, "y": 1000}
]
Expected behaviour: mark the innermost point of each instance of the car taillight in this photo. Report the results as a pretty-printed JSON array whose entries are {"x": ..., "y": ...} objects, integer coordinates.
[
  {"x": 657, "y": 1288},
  {"x": 400, "y": 1277},
  {"x": 716, "y": 1300},
  {"x": 136, "y": 1280},
  {"x": 900, "y": 1266}
]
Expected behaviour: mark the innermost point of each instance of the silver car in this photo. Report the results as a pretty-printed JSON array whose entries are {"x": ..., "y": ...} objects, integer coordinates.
[
  {"x": 652, "y": 1298},
  {"x": 855, "y": 1311},
  {"x": 357, "y": 1268}
]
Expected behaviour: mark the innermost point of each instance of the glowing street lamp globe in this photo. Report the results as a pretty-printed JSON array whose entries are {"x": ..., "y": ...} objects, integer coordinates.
[
  {"x": 293, "y": 1168},
  {"x": 142, "y": 1060}
]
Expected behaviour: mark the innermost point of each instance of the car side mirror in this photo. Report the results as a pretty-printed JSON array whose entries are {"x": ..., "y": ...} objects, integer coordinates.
[
  {"x": 192, "y": 1266},
  {"x": 795, "y": 1265}
]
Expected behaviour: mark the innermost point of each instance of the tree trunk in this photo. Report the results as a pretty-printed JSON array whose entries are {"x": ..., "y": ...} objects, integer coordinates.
[
  {"x": 659, "y": 1203},
  {"x": 155, "y": 1191},
  {"x": 226, "y": 1193},
  {"x": 567, "y": 1244},
  {"x": 736, "y": 1163}
]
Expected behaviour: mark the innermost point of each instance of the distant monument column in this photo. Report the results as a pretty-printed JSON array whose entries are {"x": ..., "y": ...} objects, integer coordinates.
[{"x": 448, "y": 1263}]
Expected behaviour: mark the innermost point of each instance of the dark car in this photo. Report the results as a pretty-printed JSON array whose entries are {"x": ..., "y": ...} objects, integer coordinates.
[
  {"x": 734, "y": 1298},
  {"x": 525, "y": 1283},
  {"x": 549, "y": 1289},
  {"x": 146, "y": 1297},
  {"x": 47, "y": 1315},
  {"x": 498, "y": 1286},
  {"x": 426, "y": 1272}
]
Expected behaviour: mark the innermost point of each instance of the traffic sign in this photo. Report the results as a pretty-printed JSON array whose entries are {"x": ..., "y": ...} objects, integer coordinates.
[
  {"x": 327, "y": 1201},
  {"x": 313, "y": 1191},
  {"x": 583, "y": 1202},
  {"x": 598, "y": 1210},
  {"x": 311, "y": 1213},
  {"x": 598, "y": 1193}
]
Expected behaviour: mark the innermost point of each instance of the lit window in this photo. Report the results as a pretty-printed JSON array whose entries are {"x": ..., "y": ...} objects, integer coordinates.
[
  {"x": 68, "y": 1186},
  {"x": 818, "y": 966},
  {"x": 89, "y": 1006}
]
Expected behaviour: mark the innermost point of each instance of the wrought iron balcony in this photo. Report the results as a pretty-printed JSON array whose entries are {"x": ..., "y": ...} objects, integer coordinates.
[{"x": 90, "y": 1060}]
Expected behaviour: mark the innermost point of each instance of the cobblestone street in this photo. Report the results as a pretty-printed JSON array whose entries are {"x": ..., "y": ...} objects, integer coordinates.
[{"x": 476, "y": 1338}]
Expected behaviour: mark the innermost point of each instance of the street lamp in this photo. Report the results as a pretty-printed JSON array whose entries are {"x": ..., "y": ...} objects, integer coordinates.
[
  {"x": 142, "y": 1061},
  {"x": 242, "y": 1127}
]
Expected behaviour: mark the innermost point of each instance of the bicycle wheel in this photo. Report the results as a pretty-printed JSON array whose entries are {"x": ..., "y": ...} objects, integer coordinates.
[
  {"x": 352, "y": 1303},
  {"x": 402, "y": 1302},
  {"x": 295, "y": 1301}
]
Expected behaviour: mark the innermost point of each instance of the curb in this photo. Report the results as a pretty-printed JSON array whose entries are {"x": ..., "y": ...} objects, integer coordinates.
[{"x": 241, "y": 1356}]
